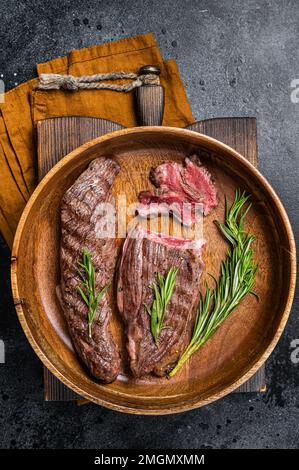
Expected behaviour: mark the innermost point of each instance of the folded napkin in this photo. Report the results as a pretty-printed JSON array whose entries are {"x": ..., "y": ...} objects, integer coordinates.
[{"x": 23, "y": 107}]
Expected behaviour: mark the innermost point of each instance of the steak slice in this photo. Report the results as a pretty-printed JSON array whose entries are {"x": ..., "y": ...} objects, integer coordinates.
[
  {"x": 179, "y": 186},
  {"x": 145, "y": 254},
  {"x": 164, "y": 202},
  {"x": 80, "y": 228}
]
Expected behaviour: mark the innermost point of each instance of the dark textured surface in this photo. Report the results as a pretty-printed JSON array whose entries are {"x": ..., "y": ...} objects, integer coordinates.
[{"x": 236, "y": 58}]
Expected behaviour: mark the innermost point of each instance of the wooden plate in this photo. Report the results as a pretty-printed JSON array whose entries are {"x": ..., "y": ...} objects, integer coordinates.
[{"x": 245, "y": 340}]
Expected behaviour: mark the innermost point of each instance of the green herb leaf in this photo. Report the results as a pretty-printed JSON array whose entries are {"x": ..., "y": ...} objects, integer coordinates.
[
  {"x": 163, "y": 290},
  {"x": 237, "y": 277},
  {"x": 88, "y": 291}
]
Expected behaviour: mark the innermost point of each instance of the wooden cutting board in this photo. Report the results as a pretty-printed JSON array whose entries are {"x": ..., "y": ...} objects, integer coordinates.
[{"x": 59, "y": 136}]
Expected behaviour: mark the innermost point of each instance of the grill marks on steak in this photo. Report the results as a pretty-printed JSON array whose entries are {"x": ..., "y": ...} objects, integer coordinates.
[
  {"x": 144, "y": 254},
  {"x": 182, "y": 189},
  {"x": 79, "y": 226}
]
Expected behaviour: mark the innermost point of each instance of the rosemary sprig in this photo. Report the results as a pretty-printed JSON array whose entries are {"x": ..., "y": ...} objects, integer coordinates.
[
  {"x": 163, "y": 291},
  {"x": 237, "y": 277},
  {"x": 88, "y": 291}
]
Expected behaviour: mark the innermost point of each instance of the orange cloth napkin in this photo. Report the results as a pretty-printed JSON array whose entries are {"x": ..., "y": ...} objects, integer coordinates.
[{"x": 23, "y": 107}]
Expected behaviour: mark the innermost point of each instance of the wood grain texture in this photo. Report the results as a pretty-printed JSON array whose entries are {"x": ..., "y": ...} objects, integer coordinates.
[
  {"x": 150, "y": 105},
  {"x": 243, "y": 343},
  {"x": 238, "y": 133},
  {"x": 70, "y": 132},
  {"x": 55, "y": 390},
  {"x": 57, "y": 137}
]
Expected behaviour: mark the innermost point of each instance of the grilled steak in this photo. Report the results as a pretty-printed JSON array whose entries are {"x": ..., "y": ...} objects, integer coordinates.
[
  {"x": 80, "y": 228},
  {"x": 144, "y": 255},
  {"x": 183, "y": 190}
]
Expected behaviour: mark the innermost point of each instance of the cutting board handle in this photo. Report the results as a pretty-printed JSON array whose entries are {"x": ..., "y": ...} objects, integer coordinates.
[{"x": 150, "y": 100}]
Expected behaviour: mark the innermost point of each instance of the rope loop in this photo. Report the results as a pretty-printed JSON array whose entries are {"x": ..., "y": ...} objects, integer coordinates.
[{"x": 52, "y": 81}]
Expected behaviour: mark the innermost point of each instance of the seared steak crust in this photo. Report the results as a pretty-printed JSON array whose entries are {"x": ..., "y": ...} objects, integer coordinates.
[
  {"x": 145, "y": 254},
  {"x": 80, "y": 225}
]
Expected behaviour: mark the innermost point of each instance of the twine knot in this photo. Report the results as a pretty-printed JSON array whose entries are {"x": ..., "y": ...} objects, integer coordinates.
[
  {"x": 69, "y": 83},
  {"x": 149, "y": 79}
]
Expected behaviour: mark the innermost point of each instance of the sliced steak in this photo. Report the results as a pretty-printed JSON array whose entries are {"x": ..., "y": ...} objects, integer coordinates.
[
  {"x": 145, "y": 254},
  {"x": 183, "y": 190},
  {"x": 164, "y": 202},
  {"x": 80, "y": 228}
]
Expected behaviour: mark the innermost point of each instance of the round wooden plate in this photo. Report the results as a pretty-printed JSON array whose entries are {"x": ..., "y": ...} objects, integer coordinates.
[{"x": 243, "y": 342}]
